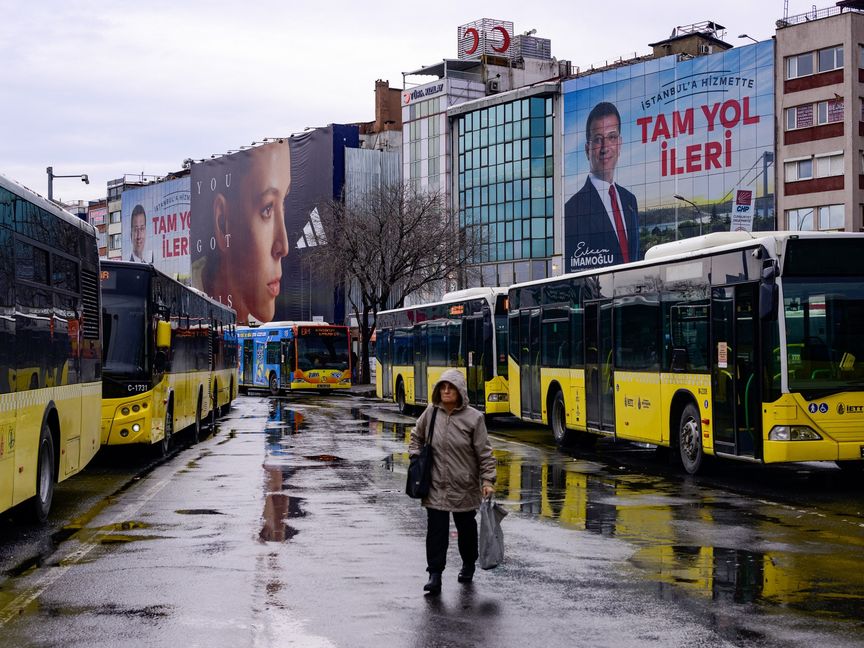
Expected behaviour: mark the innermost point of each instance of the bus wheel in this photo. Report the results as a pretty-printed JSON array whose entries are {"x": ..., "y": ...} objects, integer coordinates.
[
  {"x": 41, "y": 503},
  {"x": 690, "y": 439},
  {"x": 558, "y": 420},
  {"x": 400, "y": 398},
  {"x": 274, "y": 385},
  {"x": 165, "y": 443},
  {"x": 214, "y": 411},
  {"x": 196, "y": 427},
  {"x": 227, "y": 406}
]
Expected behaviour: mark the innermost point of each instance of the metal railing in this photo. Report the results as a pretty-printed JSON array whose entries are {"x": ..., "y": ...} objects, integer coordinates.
[{"x": 815, "y": 14}]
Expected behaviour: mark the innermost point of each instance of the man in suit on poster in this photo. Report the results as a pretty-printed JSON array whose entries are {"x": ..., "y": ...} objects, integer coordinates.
[{"x": 601, "y": 221}]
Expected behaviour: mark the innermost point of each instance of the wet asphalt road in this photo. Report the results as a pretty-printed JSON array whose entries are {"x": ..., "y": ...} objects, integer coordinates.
[{"x": 289, "y": 528}]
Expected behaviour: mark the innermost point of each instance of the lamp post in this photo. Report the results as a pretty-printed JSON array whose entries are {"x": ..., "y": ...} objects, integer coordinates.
[
  {"x": 695, "y": 206},
  {"x": 52, "y": 175},
  {"x": 747, "y": 36}
]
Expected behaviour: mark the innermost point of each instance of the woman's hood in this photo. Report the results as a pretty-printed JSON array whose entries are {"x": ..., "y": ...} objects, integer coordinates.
[{"x": 454, "y": 377}]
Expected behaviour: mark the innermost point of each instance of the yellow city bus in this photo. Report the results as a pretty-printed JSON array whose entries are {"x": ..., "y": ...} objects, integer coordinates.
[
  {"x": 50, "y": 358},
  {"x": 466, "y": 330},
  {"x": 170, "y": 357},
  {"x": 738, "y": 345}
]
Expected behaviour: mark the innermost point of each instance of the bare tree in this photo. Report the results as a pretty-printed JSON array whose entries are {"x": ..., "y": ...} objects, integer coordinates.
[{"x": 388, "y": 244}]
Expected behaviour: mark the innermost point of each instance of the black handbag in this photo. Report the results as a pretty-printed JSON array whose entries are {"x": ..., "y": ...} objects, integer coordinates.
[{"x": 420, "y": 468}]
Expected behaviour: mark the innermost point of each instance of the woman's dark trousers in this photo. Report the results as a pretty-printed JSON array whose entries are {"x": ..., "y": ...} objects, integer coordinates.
[{"x": 438, "y": 536}]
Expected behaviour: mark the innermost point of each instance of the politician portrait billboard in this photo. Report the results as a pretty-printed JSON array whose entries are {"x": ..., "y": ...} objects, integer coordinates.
[
  {"x": 661, "y": 150},
  {"x": 155, "y": 224},
  {"x": 254, "y": 226}
]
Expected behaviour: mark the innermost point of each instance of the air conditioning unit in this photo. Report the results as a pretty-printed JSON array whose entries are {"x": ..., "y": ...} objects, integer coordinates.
[
  {"x": 705, "y": 49},
  {"x": 493, "y": 85}
]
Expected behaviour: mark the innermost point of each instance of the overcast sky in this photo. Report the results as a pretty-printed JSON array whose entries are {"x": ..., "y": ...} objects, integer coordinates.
[{"x": 110, "y": 88}]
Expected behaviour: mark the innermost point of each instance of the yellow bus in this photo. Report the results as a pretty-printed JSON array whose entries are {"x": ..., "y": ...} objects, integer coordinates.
[
  {"x": 737, "y": 345},
  {"x": 50, "y": 364},
  {"x": 467, "y": 330},
  {"x": 170, "y": 357}
]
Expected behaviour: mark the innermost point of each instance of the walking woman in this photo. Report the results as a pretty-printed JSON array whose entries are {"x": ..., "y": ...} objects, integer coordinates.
[{"x": 463, "y": 471}]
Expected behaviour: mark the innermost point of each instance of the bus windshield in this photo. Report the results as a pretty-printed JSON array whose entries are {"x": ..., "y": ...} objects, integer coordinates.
[
  {"x": 123, "y": 319},
  {"x": 322, "y": 348},
  {"x": 824, "y": 348}
]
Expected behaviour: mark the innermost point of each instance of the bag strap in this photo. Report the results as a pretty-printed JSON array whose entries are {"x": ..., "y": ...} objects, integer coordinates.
[{"x": 431, "y": 425}]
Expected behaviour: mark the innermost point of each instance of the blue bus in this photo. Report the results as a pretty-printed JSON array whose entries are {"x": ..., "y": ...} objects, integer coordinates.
[{"x": 289, "y": 356}]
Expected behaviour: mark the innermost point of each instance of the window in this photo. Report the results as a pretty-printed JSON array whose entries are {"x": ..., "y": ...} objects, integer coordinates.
[
  {"x": 114, "y": 242},
  {"x": 114, "y": 217},
  {"x": 831, "y": 217},
  {"x": 830, "y": 58},
  {"x": 808, "y": 219},
  {"x": 826, "y": 112},
  {"x": 800, "y": 65},
  {"x": 799, "y": 170},
  {"x": 829, "y": 165},
  {"x": 825, "y": 166}
]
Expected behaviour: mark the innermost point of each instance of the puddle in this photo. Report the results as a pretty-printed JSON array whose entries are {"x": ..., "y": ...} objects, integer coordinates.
[
  {"x": 279, "y": 506},
  {"x": 198, "y": 512}
]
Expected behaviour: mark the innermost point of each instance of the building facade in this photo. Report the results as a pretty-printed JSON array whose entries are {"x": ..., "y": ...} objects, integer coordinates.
[{"x": 819, "y": 90}]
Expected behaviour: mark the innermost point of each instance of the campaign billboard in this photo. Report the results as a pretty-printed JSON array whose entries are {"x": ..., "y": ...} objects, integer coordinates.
[
  {"x": 656, "y": 151},
  {"x": 155, "y": 224},
  {"x": 255, "y": 225}
]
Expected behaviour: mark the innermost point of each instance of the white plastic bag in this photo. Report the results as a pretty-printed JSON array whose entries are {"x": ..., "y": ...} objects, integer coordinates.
[{"x": 491, "y": 535}]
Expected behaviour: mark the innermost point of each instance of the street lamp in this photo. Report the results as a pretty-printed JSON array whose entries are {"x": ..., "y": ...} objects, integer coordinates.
[
  {"x": 52, "y": 175},
  {"x": 695, "y": 206},
  {"x": 746, "y": 36}
]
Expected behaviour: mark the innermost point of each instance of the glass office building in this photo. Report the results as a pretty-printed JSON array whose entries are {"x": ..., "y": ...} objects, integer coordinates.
[{"x": 505, "y": 186}]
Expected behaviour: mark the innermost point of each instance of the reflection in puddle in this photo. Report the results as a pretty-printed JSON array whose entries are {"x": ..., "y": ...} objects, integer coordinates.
[
  {"x": 278, "y": 506},
  {"x": 691, "y": 540}
]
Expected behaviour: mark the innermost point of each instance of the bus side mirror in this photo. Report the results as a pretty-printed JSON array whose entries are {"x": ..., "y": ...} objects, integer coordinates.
[
  {"x": 768, "y": 292},
  {"x": 163, "y": 335}
]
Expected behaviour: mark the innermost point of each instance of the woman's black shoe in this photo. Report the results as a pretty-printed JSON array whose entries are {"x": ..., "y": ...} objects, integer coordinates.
[
  {"x": 434, "y": 584},
  {"x": 465, "y": 575}
]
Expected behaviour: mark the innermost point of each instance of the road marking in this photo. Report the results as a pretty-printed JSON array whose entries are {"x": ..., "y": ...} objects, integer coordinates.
[{"x": 17, "y": 605}]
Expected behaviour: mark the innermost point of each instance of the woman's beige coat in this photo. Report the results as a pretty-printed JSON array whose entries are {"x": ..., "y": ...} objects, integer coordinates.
[{"x": 462, "y": 455}]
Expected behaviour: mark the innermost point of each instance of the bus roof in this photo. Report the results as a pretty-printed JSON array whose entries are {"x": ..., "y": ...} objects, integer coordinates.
[
  {"x": 120, "y": 263},
  {"x": 489, "y": 293},
  {"x": 28, "y": 194},
  {"x": 700, "y": 246}
]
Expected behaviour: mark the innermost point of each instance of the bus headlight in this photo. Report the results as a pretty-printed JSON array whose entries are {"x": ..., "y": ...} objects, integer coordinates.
[
  {"x": 498, "y": 397},
  {"x": 125, "y": 411},
  {"x": 136, "y": 427},
  {"x": 793, "y": 433}
]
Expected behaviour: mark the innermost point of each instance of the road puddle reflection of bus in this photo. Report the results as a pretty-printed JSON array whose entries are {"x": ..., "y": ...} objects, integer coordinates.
[
  {"x": 699, "y": 541},
  {"x": 692, "y": 540}
]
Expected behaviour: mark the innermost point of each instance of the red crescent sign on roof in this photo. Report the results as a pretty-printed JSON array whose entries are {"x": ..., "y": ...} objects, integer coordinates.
[
  {"x": 506, "y": 44},
  {"x": 473, "y": 33}
]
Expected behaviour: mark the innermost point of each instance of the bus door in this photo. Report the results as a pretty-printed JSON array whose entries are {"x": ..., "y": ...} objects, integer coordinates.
[
  {"x": 384, "y": 364},
  {"x": 599, "y": 393},
  {"x": 529, "y": 363},
  {"x": 248, "y": 361},
  {"x": 475, "y": 353},
  {"x": 421, "y": 363},
  {"x": 288, "y": 362},
  {"x": 735, "y": 383}
]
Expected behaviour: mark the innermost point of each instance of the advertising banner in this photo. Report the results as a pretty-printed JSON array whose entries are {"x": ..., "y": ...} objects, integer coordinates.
[
  {"x": 254, "y": 224},
  {"x": 655, "y": 151},
  {"x": 155, "y": 223},
  {"x": 742, "y": 211}
]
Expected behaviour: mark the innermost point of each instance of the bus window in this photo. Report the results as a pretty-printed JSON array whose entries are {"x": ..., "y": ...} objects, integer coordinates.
[
  {"x": 637, "y": 333},
  {"x": 555, "y": 330}
]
